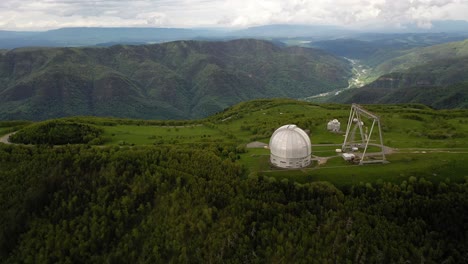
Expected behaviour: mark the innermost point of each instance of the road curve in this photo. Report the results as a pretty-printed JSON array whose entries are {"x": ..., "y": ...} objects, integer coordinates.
[{"x": 6, "y": 138}]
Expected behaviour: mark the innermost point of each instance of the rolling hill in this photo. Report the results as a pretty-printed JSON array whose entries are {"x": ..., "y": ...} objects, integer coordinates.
[{"x": 175, "y": 80}]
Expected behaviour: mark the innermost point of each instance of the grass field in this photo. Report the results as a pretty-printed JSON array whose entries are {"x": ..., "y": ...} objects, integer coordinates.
[
  {"x": 11, "y": 126},
  {"x": 4, "y": 131},
  {"x": 153, "y": 135},
  {"x": 432, "y": 166},
  {"x": 405, "y": 128}
]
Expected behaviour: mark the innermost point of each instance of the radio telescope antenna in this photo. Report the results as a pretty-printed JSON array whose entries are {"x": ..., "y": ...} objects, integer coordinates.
[{"x": 355, "y": 122}]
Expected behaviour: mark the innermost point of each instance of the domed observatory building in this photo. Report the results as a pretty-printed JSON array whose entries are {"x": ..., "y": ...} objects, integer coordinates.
[
  {"x": 290, "y": 147},
  {"x": 333, "y": 125}
]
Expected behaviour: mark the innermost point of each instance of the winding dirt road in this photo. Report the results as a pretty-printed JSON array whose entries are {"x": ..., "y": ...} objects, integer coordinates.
[{"x": 5, "y": 138}]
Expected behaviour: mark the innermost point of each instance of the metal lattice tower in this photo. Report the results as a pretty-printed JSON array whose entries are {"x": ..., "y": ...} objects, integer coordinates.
[{"x": 355, "y": 122}]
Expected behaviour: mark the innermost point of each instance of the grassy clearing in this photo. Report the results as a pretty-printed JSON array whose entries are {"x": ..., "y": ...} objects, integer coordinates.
[
  {"x": 325, "y": 151},
  {"x": 432, "y": 166},
  {"x": 11, "y": 126},
  {"x": 4, "y": 131},
  {"x": 149, "y": 135},
  {"x": 404, "y": 127},
  {"x": 256, "y": 160}
]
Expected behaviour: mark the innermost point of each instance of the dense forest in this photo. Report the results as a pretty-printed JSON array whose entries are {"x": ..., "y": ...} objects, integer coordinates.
[
  {"x": 175, "y": 80},
  {"x": 83, "y": 204}
]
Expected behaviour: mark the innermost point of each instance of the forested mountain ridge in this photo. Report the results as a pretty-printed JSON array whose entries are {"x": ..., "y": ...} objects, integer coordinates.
[
  {"x": 433, "y": 81},
  {"x": 422, "y": 56},
  {"x": 184, "y": 79},
  {"x": 438, "y": 97},
  {"x": 374, "y": 49},
  {"x": 436, "y": 76}
]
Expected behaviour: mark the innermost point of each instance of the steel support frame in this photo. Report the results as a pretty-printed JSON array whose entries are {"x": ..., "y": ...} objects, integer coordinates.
[{"x": 356, "y": 112}]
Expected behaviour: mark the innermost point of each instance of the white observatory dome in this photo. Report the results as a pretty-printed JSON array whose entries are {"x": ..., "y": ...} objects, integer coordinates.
[
  {"x": 333, "y": 125},
  {"x": 290, "y": 147}
]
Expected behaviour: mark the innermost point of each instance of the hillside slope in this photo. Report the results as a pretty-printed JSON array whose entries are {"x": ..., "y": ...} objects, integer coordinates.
[
  {"x": 184, "y": 79},
  {"x": 439, "y": 79},
  {"x": 421, "y": 56},
  {"x": 452, "y": 96},
  {"x": 375, "y": 49},
  {"x": 442, "y": 73}
]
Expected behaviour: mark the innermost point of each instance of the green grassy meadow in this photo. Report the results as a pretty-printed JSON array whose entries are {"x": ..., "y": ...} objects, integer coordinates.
[
  {"x": 4, "y": 130},
  {"x": 404, "y": 127},
  {"x": 435, "y": 167},
  {"x": 11, "y": 126},
  {"x": 427, "y": 143},
  {"x": 154, "y": 135}
]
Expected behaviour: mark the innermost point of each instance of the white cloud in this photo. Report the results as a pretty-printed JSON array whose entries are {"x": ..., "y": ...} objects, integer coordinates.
[
  {"x": 45, "y": 14},
  {"x": 154, "y": 19}
]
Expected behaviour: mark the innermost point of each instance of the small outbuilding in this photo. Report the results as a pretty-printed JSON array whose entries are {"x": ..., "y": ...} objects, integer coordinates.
[
  {"x": 333, "y": 125},
  {"x": 290, "y": 147},
  {"x": 348, "y": 156}
]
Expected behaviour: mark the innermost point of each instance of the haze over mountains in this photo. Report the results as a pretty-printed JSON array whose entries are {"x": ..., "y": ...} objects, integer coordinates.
[{"x": 90, "y": 36}]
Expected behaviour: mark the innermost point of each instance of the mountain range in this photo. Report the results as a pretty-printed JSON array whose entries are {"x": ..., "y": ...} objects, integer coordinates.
[
  {"x": 91, "y": 36},
  {"x": 175, "y": 80},
  {"x": 196, "y": 78},
  {"x": 102, "y": 36}
]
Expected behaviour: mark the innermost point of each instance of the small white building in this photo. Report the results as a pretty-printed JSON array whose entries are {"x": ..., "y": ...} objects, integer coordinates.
[
  {"x": 290, "y": 147},
  {"x": 348, "y": 156},
  {"x": 333, "y": 125}
]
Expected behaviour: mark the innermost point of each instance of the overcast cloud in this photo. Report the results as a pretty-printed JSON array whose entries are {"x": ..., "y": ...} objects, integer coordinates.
[{"x": 49, "y": 14}]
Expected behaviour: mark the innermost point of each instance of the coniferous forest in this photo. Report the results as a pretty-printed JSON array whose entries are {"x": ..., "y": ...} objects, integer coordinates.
[{"x": 161, "y": 204}]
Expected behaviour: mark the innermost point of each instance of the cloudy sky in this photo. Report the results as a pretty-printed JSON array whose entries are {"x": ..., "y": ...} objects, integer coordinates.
[{"x": 50, "y": 14}]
